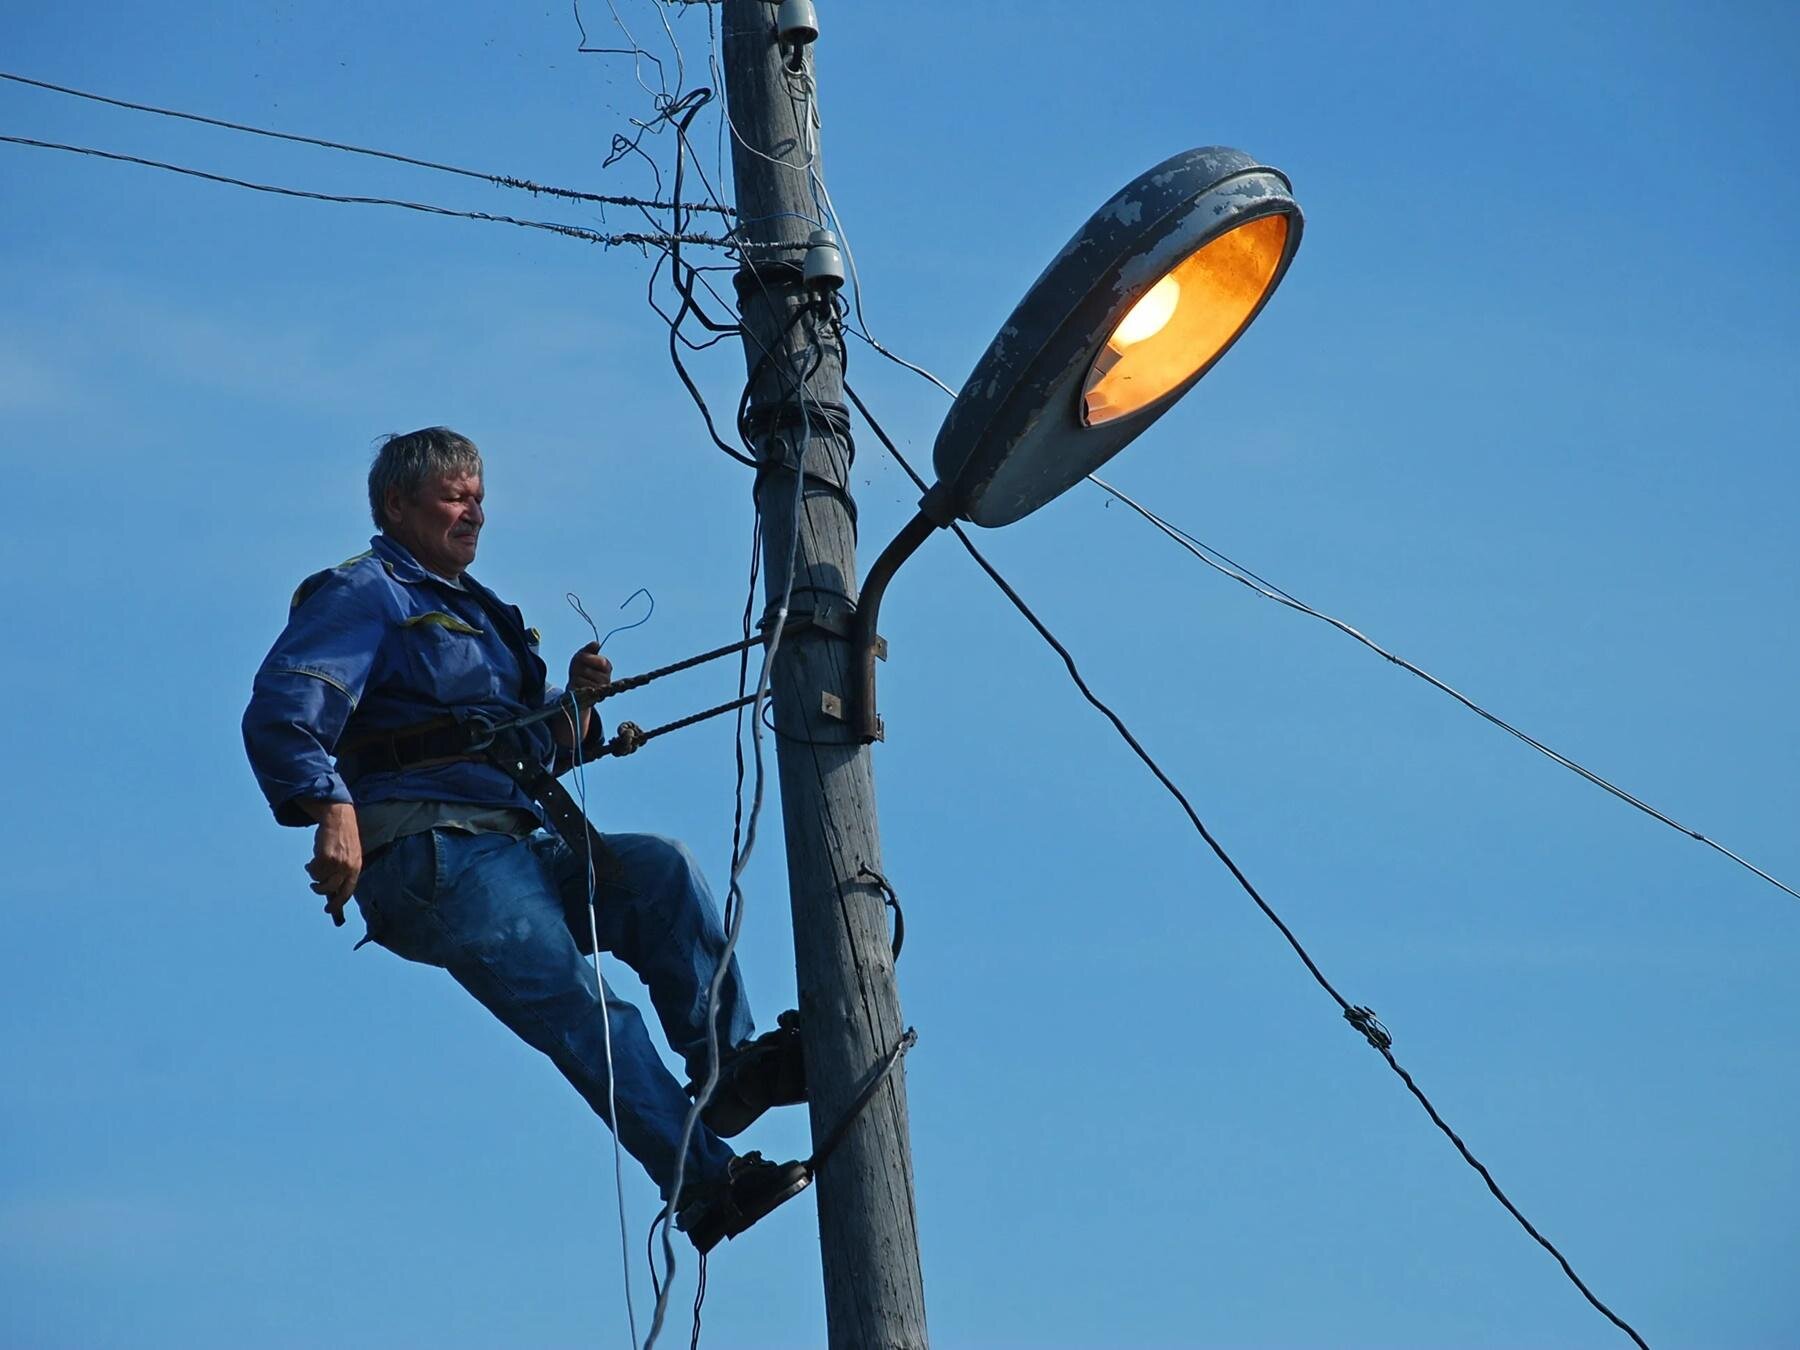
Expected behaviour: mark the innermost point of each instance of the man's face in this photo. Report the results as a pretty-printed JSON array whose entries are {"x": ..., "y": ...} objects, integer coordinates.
[{"x": 441, "y": 524}]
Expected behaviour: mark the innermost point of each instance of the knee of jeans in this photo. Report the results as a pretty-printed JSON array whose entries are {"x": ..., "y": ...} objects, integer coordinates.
[{"x": 670, "y": 859}]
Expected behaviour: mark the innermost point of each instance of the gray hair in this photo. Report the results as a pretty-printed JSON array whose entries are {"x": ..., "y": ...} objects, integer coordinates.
[{"x": 405, "y": 462}]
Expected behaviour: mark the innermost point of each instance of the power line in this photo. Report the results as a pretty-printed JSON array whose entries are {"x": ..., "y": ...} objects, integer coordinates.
[
  {"x": 572, "y": 231},
  {"x": 498, "y": 180},
  {"x": 1269, "y": 591},
  {"x": 1361, "y": 1018}
]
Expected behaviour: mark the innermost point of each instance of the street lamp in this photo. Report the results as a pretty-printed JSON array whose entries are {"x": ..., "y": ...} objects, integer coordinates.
[{"x": 1141, "y": 303}]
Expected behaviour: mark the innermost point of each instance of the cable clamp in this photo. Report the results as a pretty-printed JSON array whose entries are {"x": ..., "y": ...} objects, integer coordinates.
[
  {"x": 1365, "y": 1021},
  {"x": 626, "y": 740}
]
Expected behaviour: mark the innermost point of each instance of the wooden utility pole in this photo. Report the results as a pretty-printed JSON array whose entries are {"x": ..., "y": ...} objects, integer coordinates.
[{"x": 849, "y": 1006}]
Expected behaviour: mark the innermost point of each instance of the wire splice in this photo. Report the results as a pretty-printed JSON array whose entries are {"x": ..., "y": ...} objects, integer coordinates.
[{"x": 1365, "y": 1021}]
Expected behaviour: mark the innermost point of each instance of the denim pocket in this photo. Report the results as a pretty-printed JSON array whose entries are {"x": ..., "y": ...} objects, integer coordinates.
[{"x": 397, "y": 894}]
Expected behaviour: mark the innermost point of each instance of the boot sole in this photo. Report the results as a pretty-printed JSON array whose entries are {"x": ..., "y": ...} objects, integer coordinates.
[{"x": 705, "y": 1239}]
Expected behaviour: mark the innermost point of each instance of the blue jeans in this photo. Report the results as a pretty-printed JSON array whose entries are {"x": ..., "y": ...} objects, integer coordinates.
[{"x": 508, "y": 918}]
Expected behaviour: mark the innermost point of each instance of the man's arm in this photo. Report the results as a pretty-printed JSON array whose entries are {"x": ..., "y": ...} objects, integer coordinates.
[
  {"x": 337, "y": 853},
  {"x": 304, "y": 693}
]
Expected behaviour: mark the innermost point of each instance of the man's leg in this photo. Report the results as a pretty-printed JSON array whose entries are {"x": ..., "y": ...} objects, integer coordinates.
[
  {"x": 659, "y": 918},
  {"x": 484, "y": 908}
]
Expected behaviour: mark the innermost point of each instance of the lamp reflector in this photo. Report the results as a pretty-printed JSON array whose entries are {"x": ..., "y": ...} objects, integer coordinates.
[{"x": 1182, "y": 323}]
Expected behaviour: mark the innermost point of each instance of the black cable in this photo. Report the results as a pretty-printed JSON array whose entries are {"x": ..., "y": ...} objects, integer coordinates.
[
  {"x": 1360, "y": 1018},
  {"x": 694, "y": 102},
  {"x": 572, "y": 231},
  {"x": 699, "y": 1302},
  {"x": 893, "y": 902},
  {"x": 497, "y": 179},
  {"x": 737, "y": 816},
  {"x": 734, "y": 930},
  {"x": 1268, "y": 590}
]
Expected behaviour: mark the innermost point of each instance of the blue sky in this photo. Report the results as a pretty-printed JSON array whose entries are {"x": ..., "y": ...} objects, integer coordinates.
[{"x": 1524, "y": 410}]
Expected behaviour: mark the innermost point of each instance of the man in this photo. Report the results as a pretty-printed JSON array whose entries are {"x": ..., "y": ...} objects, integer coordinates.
[{"x": 388, "y": 661}]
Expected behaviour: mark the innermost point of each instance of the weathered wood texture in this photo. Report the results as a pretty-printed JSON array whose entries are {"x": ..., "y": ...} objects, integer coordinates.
[{"x": 850, "y": 1008}]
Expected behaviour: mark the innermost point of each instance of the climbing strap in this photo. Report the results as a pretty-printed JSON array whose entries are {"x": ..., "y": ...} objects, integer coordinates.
[
  {"x": 630, "y": 735},
  {"x": 449, "y": 740},
  {"x": 908, "y": 1039},
  {"x": 510, "y": 755}
]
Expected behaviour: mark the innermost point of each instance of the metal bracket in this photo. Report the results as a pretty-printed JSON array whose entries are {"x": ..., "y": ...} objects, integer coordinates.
[
  {"x": 833, "y": 707},
  {"x": 839, "y": 620},
  {"x": 829, "y": 616}
]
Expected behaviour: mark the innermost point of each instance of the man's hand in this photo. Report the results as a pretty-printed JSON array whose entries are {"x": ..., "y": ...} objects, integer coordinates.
[
  {"x": 337, "y": 854},
  {"x": 590, "y": 670}
]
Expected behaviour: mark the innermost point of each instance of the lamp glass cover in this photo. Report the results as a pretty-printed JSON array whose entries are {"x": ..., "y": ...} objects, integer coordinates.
[{"x": 1185, "y": 320}]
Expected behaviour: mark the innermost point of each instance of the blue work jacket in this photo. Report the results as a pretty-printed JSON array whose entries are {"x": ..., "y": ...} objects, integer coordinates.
[{"x": 379, "y": 643}]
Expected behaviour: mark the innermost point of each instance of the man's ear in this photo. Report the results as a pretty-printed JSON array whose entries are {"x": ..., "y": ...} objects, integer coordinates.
[{"x": 391, "y": 502}]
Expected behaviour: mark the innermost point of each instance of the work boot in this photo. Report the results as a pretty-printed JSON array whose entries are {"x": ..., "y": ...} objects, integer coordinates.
[
  {"x": 768, "y": 1071},
  {"x": 712, "y": 1210}
]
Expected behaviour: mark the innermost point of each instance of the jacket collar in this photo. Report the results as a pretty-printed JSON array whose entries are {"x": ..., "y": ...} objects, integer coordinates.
[{"x": 402, "y": 566}]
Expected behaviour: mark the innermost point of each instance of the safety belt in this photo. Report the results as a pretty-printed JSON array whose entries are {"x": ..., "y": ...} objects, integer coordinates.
[{"x": 444, "y": 740}]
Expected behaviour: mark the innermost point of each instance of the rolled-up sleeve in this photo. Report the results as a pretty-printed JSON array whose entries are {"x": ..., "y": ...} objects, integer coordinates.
[{"x": 305, "y": 691}]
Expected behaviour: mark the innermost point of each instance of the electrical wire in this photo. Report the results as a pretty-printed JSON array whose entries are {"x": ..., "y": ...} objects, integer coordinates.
[
  {"x": 687, "y": 299},
  {"x": 497, "y": 179},
  {"x": 766, "y": 358},
  {"x": 680, "y": 114},
  {"x": 828, "y": 211},
  {"x": 574, "y": 716},
  {"x": 842, "y": 888},
  {"x": 600, "y": 642},
  {"x": 736, "y": 903},
  {"x": 553, "y": 227},
  {"x": 699, "y": 1302},
  {"x": 1360, "y": 1018},
  {"x": 1269, "y": 591}
]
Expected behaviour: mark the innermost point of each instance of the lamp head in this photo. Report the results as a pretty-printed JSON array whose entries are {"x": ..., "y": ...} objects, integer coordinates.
[{"x": 1140, "y": 304}]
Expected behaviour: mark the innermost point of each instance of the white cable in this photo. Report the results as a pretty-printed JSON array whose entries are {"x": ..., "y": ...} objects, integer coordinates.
[
  {"x": 822, "y": 199},
  {"x": 612, "y": 1105},
  {"x": 734, "y": 890},
  {"x": 638, "y": 50}
]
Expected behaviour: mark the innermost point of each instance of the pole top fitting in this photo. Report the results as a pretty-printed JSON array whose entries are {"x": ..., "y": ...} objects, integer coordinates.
[
  {"x": 824, "y": 267},
  {"x": 797, "y": 23}
]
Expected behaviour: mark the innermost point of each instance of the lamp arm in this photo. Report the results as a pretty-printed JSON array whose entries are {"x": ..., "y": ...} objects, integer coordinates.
[{"x": 868, "y": 612}]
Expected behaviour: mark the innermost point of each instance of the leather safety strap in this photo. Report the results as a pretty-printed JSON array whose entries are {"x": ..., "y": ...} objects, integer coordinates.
[{"x": 562, "y": 810}]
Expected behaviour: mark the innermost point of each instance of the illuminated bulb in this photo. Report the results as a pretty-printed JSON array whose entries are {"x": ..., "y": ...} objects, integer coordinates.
[{"x": 1149, "y": 315}]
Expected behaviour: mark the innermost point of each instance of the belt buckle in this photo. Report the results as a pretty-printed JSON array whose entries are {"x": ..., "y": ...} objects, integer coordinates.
[{"x": 481, "y": 732}]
